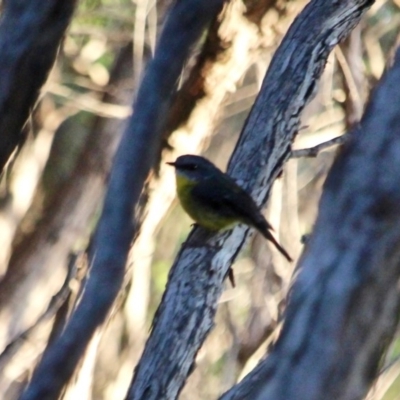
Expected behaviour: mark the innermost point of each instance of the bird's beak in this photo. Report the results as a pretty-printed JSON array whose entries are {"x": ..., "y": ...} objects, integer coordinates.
[{"x": 171, "y": 163}]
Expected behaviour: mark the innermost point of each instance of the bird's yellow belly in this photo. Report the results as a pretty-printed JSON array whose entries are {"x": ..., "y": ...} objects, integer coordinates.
[{"x": 202, "y": 214}]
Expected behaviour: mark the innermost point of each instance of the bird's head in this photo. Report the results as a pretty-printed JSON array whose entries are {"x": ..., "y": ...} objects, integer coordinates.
[{"x": 194, "y": 168}]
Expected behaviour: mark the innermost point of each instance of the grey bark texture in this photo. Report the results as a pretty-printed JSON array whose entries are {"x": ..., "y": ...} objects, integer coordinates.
[
  {"x": 186, "y": 313},
  {"x": 136, "y": 153},
  {"x": 30, "y": 33},
  {"x": 345, "y": 301}
]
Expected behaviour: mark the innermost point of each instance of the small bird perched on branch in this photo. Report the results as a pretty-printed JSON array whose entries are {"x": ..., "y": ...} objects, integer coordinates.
[{"x": 214, "y": 200}]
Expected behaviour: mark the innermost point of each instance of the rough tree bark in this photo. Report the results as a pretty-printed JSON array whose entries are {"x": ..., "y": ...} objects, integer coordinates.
[
  {"x": 134, "y": 158},
  {"x": 186, "y": 313},
  {"x": 30, "y": 33},
  {"x": 345, "y": 302}
]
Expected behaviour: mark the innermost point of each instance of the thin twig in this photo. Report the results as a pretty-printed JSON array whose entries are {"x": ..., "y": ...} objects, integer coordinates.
[
  {"x": 349, "y": 77},
  {"x": 314, "y": 151}
]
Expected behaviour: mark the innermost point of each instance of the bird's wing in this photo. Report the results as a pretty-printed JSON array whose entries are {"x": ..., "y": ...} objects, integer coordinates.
[{"x": 226, "y": 198}]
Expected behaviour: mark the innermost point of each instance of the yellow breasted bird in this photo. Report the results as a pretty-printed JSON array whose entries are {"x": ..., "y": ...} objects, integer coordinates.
[{"x": 214, "y": 200}]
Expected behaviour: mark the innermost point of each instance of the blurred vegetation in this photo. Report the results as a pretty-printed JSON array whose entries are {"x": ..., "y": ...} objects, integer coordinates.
[{"x": 71, "y": 102}]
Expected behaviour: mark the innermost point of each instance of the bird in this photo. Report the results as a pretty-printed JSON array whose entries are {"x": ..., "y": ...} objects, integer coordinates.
[{"x": 215, "y": 201}]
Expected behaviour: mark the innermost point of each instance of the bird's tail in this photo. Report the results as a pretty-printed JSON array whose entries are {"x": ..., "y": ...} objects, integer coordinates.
[{"x": 264, "y": 228}]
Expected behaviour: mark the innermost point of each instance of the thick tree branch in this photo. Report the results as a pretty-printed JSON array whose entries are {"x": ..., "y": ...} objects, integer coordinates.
[
  {"x": 30, "y": 33},
  {"x": 134, "y": 158},
  {"x": 345, "y": 301},
  {"x": 186, "y": 313}
]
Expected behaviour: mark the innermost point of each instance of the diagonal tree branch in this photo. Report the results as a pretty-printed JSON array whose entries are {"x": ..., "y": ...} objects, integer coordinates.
[
  {"x": 134, "y": 158},
  {"x": 345, "y": 302},
  {"x": 26, "y": 57},
  {"x": 186, "y": 314}
]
